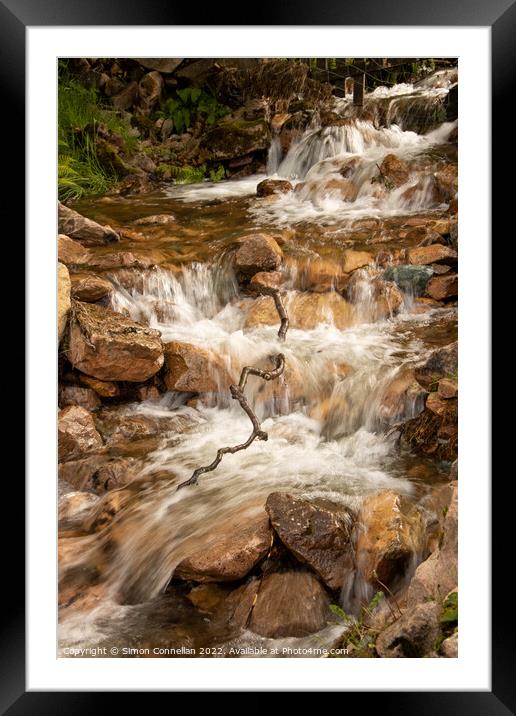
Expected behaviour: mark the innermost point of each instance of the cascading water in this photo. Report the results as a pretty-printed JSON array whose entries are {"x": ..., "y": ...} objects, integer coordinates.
[{"x": 329, "y": 417}]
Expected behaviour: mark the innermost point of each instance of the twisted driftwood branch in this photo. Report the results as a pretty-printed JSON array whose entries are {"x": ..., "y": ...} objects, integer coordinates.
[{"x": 237, "y": 393}]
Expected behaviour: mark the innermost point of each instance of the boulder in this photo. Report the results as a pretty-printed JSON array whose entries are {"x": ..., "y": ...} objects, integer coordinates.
[
  {"x": 150, "y": 89},
  {"x": 98, "y": 473},
  {"x": 410, "y": 278},
  {"x": 256, "y": 253},
  {"x": 289, "y": 604},
  {"x": 77, "y": 433},
  {"x": 121, "y": 259},
  {"x": 353, "y": 260},
  {"x": 433, "y": 254},
  {"x": 412, "y": 635},
  {"x": 167, "y": 65},
  {"x": 191, "y": 369},
  {"x": 390, "y": 536},
  {"x": 441, "y": 363},
  {"x": 436, "y": 404},
  {"x": 448, "y": 388},
  {"x": 103, "y": 388},
  {"x": 124, "y": 97},
  {"x": 90, "y": 288},
  {"x": 318, "y": 537},
  {"x": 441, "y": 287},
  {"x": 305, "y": 310},
  {"x": 273, "y": 186},
  {"x": 447, "y": 181},
  {"x": 75, "y": 395},
  {"x": 437, "y": 576},
  {"x": 63, "y": 299},
  {"x": 395, "y": 170},
  {"x": 343, "y": 189},
  {"x": 71, "y": 252},
  {"x": 84, "y": 230},
  {"x": 235, "y": 138},
  {"x": 450, "y": 647},
  {"x": 111, "y": 347},
  {"x": 117, "y": 427},
  {"x": 266, "y": 279},
  {"x": 233, "y": 549},
  {"x": 155, "y": 220}
]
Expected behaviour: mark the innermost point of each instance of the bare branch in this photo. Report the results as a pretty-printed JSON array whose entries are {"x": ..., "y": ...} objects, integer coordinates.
[{"x": 237, "y": 393}]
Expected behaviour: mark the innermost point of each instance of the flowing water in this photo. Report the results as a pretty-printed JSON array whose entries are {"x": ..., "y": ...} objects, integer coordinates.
[{"x": 330, "y": 418}]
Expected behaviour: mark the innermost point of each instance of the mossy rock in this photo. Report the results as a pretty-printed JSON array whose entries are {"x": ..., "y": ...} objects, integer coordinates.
[
  {"x": 236, "y": 138},
  {"x": 411, "y": 279}
]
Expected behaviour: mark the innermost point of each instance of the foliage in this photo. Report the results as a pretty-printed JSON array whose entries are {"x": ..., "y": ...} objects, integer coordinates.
[
  {"x": 193, "y": 175},
  {"x": 450, "y": 613},
  {"x": 360, "y": 636},
  {"x": 188, "y": 105},
  {"x": 80, "y": 116}
]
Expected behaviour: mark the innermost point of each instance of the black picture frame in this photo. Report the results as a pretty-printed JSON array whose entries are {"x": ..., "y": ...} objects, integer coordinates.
[{"x": 15, "y": 16}]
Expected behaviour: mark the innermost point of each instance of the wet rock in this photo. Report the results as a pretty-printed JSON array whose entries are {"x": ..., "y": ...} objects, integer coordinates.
[
  {"x": 98, "y": 473},
  {"x": 289, "y": 604},
  {"x": 118, "y": 427},
  {"x": 233, "y": 550},
  {"x": 448, "y": 388},
  {"x": 236, "y": 138},
  {"x": 273, "y": 186},
  {"x": 76, "y": 433},
  {"x": 437, "y": 576},
  {"x": 436, "y": 404},
  {"x": 403, "y": 395},
  {"x": 63, "y": 299},
  {"x": 148, "y": 392},
  {"x": 390, "y": 536},
  {"x": 150, "y": 89},
  {"x": 71, "y": 252},
  {"x": 111, "y": 347},
  {"x": 353, "y": 260},
  {"x": 447, "y": 181},
  {"x": 442, "y": 287},
  {"x": 84, "y": 230},
  {"x": 256, "y": 253},
  {"x": 450, "y": 646},
  {"x": 167, "y": 65},
  {"x": 305, "y": 310},
  {"x": 266, "y": 279},
  {"x": 434, "y": 432},
  {"x": 208, "y": 597},
  {"x": 121, "y": 259},
  {"x": 395, "y": 170},
  {"x": 411, "y": 636},
  {"x": 424, "y": 192},
  {"x": 75, "y": 395},
  {"x": 320, "y": 275},
  {"x": 343, "y": 189},
  {"x": 442, "y": 363},
  {"x": 155, "y": 220},
  {"x": 191, "y": 369},
  {"x": 433, "y": 254},
  {"x": 90, "y": 288},
  {"x": 318, "y": 537},
  {"x": 105, "y": 389},
  {"x": 410, "y": 278},
  {"x": 73, "y": 505}
]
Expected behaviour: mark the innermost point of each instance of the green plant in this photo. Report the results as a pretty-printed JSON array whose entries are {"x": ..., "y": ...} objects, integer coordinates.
[
  {"x": 360, "y": 636},
  {"x": 189, "y": 103}
]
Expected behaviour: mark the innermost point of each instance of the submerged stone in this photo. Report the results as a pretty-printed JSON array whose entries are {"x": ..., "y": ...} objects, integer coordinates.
[{"x": 410, "y": 278}]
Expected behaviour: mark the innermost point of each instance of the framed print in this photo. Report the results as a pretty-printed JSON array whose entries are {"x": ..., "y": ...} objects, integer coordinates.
[{"x": 247, "y": 448}]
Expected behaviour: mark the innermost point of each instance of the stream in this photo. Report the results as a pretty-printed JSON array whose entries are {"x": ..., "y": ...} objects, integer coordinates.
[{"x": 331, "y": 418}]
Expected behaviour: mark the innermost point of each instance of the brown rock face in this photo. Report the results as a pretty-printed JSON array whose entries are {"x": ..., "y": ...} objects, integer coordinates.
[
  {"x": 98, "y": 473},
  {"x": 76, "y": 433},
  {"x": 356, "y": 259},
  {"x": 396, "y": 170},
  {"x": 448, "y": 388},
  {"x": 155, "y": 220},
  {"x": 273, "y": 186},
  {"x": 441, "y": 287},
  {"x": 316, "y": 536},
  {"x": 111, "y": 347},
  {"x": 63, "y": 299},
  {"x": 437, "y": 576},
  {"x": 289, "y": 604},
  {"x": 441, "y": 363},
  {"x": 71, "y": 252},
  {"x": 433, "y": 254},
  {"x": 391, "y": 534},
  {"x": 266, "y": 279},
  {"x": 103, "y": 388},
  {"x": 89, "y": 287},
  {"x": 305, "y": 310},
  {"x": 344, "y": 189},
  {"x": 234, "y": 550},
  {"x": 413, "y": 635},
  {"x": 191, "y": 369},
  {"x": 255, "y": 253},
  {"x": 122, "y": 259},
  {"x": 75, "y": 395},
  {"x": 84, "y": 230}
]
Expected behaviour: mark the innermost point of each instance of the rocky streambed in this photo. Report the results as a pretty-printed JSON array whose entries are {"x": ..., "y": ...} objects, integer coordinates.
[{"x": 338, "y": 531}]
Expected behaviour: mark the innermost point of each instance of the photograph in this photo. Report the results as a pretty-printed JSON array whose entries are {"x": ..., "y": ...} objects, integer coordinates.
[{"x": 257, "y": 390}]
